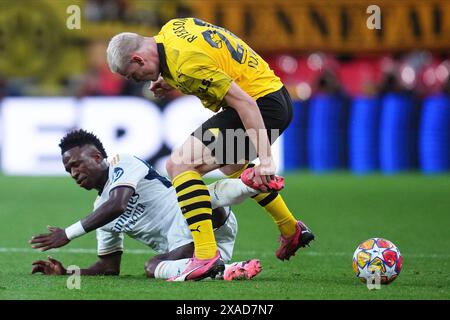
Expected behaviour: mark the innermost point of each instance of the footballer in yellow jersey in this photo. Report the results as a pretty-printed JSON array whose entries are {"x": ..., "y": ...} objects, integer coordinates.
[
  {"x": 203, "y": 60},
  {"x": 210, "y": 62}
]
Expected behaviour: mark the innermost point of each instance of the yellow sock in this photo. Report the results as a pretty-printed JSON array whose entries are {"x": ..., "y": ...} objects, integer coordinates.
[
  {"x": 195, "y": 203},
  {"x": 238, "y": 173},
  {"x": 275, "y": 206}
]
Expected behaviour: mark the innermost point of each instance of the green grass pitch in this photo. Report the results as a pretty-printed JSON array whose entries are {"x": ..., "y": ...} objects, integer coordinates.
[{"x": 411, "y": 210}]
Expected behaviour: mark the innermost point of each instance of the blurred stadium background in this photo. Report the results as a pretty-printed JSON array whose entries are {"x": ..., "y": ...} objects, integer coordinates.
[
  {"x": 366, "y": 100},
  {"x": 367, "y": 154}
]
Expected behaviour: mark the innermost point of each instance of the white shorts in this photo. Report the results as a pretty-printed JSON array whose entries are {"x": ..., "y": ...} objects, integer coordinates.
[{"x": 225, "y": 237}]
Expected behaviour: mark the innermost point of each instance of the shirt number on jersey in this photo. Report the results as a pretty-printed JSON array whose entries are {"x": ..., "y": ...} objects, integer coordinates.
[{"x": 237, "y": 54}]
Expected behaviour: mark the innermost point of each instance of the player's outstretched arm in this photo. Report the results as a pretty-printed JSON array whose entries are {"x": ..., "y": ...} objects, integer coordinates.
[
  {"x": 55, "y": 239},
  {"x": 251, "y": 117},
  {"x": 107, "y": 265},
  {"x": 107, "y": 212},
  {"x": 110, "y": 210}
]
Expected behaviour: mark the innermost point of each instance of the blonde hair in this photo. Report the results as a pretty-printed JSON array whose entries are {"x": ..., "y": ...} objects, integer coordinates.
[{"x": 120, "y": 48}]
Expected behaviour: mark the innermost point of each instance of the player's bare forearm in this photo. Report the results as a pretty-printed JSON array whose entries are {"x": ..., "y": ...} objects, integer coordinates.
[
  {"x": 252, "y": 120},
  {"x": 106, "y": 265},
  {"x": 108, "y": 211},
  {"x": 254, "y": 124},
  {"x": 251, "y": 117},
  {"x": 104, "y": 214}
]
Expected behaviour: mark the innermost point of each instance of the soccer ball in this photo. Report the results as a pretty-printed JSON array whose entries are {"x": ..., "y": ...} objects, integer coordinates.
[{"x": 377, "y": 257}]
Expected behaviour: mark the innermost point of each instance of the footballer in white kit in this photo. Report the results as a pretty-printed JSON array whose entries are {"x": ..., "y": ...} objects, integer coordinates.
[
  {"x": 134, "y": 199},
  {"x": 153, "y": 216}
]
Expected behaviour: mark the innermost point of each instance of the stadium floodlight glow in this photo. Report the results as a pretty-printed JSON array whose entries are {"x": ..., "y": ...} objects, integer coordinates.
[
  {"x": 315, "y": 61},
  {"x": 408, "y": 75},
  {"x": 32, "y": 129},
  {"x": 429, "y": 77},
  {"x": 181, "y": 117},
  {"x": 124, "y": 125},
  {"x": 442, "y": 72},
  {"x": 288, "y": 64},
  {"x": 303, "y": 91}
]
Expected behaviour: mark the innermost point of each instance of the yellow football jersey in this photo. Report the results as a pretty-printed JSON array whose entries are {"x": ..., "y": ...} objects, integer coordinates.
[{"x": 202, "y": 59}]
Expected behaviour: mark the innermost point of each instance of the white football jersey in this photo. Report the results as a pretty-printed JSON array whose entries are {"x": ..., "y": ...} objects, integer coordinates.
[{"x": 153, "y": 215}]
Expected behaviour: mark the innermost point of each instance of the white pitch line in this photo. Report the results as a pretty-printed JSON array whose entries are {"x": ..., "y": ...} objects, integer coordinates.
[
  {"x": 67, "y": 250},
  {"x": 244, "y": 253}
]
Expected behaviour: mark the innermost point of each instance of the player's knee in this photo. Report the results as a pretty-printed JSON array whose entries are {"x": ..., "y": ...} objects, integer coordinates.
[
  {"x": 174, "y": 168},
  {"x": 150, "y": 267},
  {"x": 170, "y": 166}
]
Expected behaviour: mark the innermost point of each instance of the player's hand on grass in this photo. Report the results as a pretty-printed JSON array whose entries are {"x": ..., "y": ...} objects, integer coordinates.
[
  {"x": 50, "y": 267},
  {"x": 55, "y": 239},
  {"x": 160, "y": 88}
]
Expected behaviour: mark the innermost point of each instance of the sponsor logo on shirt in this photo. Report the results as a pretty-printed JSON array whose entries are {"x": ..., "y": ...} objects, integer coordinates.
[
  {"x": 128, "y": 219},
  {"x": 118, "y": 172}
]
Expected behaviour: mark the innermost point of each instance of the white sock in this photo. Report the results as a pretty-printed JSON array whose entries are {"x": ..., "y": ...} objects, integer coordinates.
[
  {"x": 228, "y": 192},
  {"x": 170, "y": 268}
]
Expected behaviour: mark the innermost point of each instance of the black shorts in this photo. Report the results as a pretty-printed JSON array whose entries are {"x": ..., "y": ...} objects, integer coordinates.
[{"x": 224, "y": 133}]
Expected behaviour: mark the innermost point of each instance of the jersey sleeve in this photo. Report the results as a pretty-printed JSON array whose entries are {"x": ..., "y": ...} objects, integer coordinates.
[
  {"x": 108, "y": 242},
  {"x": 200, "y": 76},
  {"x": 127, "y": 171}
]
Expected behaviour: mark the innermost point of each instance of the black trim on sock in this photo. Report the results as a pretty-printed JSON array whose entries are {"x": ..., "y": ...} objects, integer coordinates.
[
  {"x": 198, "y": 218},
  {"x": 264, "y": 202},
  {"x": 196, "y": 205},
  {"x": 195, "y": 193},
  {"x": 189, "y": 183}
]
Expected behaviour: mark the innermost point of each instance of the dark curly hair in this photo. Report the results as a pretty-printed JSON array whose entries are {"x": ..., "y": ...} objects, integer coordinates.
[{"x": 79, "y": 138}]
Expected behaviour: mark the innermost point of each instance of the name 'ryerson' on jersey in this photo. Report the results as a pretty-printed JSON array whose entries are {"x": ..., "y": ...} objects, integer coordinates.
[{"x": 202, "y": 59}]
